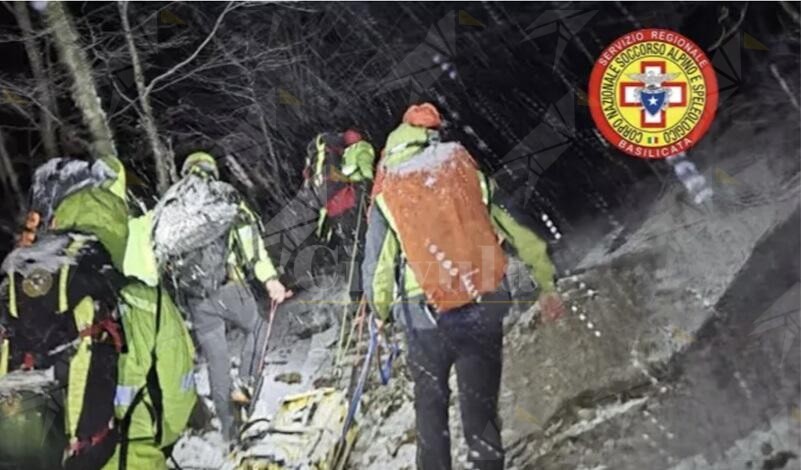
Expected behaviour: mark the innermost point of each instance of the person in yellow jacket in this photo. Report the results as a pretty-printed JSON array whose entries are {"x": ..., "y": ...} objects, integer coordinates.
[
  {"x": 339, "y": 172},
  {"x": 337, "y": 181},
  {"x": 433, "y": 257},
  {"x": 213, "y": 278},
  {"x": 118, "y": 348}
]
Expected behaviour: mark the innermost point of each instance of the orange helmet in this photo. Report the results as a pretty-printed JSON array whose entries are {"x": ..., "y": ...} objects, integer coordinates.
[{"x": 423, "y": 115}]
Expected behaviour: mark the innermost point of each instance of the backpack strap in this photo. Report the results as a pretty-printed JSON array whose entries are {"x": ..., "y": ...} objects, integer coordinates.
[
  {"x": 63, "y": 275},
  {"x": 486, "y": 188},
  {"x": 152, "y": 383},
  {"x": 239, "y": 246},
  {"x": 154, "y": 391},
  {"x": 4, "y": 353},
  {"x": 125, "y": 427},
  {"x": 319, "y": 143},
  {"x": 12, "y": 295}
]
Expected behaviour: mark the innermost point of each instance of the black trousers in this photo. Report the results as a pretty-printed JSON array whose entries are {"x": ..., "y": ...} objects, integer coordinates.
[{"x": 470, "y": 339}]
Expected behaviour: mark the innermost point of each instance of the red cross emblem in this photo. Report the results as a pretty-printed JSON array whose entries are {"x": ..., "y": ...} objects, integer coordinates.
[{"x": 629, "y": 99}]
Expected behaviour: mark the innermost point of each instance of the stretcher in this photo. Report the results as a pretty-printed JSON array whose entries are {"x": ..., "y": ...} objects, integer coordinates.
[{"x": 305, "y": 433}]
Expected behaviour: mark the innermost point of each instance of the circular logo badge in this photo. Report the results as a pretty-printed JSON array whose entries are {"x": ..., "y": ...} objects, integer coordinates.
[
  {"x": 37, "y": 283},
  {"x": 653, "y": 93}
]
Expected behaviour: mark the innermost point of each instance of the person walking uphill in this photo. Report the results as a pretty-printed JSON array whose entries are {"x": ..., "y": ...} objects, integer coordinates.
[
  {"x": 339, "y": 172},
  {"x": 433, "y": 209},
  {"x": 118, "y": 349},
  {"x": 210, "y": 243},
  {"x": 337, "y": 180}
]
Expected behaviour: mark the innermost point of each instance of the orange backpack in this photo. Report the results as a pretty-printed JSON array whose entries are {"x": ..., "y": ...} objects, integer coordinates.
[{"x": 437, "y": 209}]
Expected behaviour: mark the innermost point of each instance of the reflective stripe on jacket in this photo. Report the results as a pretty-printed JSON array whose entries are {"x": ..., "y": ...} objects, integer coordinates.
[{"x": 246, "y": 249}]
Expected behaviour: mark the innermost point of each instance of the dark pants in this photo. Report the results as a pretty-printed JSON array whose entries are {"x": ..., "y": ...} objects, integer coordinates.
[
  {"x": 230, "y": 304},
  {"x": 471, "y": 339}
]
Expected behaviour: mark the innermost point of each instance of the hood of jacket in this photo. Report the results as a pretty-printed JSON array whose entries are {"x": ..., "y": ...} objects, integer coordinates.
[{"x": 99, "y": 212}]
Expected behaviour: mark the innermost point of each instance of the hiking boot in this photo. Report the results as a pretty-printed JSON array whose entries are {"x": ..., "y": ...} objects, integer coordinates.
[{"x": 242, "y": 394}]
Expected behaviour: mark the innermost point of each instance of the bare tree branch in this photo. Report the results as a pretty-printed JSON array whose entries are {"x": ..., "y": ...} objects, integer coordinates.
[
  {"x": 228, "y": 8},
  {"x": 165, "y": 165},
  {"x": 40, "y": 77},
  {"x": 9, "y": 174},
  {"x": 29, "y": 95}
]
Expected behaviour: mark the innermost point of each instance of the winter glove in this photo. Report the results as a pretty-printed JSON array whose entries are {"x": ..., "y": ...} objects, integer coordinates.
[
  {"x": 551, "y": 306},
  {"x": 278, "y": 292}
]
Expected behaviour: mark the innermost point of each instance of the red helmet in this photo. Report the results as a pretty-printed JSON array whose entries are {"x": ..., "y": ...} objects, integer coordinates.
[{"x": 351, "y": 137}]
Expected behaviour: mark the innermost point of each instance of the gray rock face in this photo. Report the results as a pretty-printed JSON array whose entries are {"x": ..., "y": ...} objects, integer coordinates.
[{"x": 663, "y": 358}]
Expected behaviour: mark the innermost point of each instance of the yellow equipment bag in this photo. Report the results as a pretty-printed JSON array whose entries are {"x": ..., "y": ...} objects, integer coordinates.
[{"x": 305, "y": 432}]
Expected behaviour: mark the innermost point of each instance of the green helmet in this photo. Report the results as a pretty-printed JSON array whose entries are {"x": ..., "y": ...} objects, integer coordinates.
[{"x": 202, "y": 162}]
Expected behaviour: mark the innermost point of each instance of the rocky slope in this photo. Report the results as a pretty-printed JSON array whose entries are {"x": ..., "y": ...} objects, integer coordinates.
[{"x": 680, "y": 351}]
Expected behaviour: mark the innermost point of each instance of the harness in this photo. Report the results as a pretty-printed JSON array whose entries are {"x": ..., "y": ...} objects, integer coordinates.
[
  {"x": 77, "y": 447},
  {"x": 91, "y": 331},
  {"x": 107, "y": 330}
]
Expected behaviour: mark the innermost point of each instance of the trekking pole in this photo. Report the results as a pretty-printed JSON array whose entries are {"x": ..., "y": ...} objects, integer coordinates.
[
  {"x": 359, "y": 323},
  {"x": 340, "y": 454},
  {"x": 263, "y": 355},
  {"x": 273, "y": 309},
  {"x": 341, "y": 343},
  {"x": 353, "y": 340}
]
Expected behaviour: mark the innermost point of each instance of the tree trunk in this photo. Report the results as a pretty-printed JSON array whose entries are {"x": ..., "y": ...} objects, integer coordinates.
[
  {"x": 34, "y": 52},
  {"x": 9, "y": 175},
  {"x": 162, "y": 157},
  {"x": 84, "y": 90}
]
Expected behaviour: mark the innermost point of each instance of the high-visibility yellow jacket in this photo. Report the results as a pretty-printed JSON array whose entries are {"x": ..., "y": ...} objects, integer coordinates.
[
  {"x": 154, "y": 388},
  {"x": 246, "y": 250}
]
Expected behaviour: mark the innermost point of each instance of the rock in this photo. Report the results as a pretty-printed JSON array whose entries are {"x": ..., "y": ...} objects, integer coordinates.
[
  {"x": 289, "y": 378},
  {"x": 323, "y": 382}
]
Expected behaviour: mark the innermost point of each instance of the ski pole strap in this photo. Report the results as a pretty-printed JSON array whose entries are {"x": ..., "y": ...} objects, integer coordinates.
[{"x": 262, "y": 357}]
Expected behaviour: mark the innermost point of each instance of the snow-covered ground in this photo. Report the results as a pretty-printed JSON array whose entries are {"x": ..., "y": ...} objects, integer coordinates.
[{"x": 300, "y": 358}]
